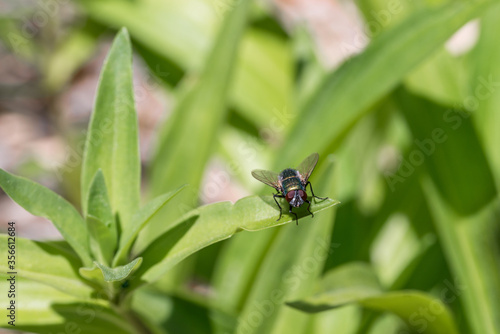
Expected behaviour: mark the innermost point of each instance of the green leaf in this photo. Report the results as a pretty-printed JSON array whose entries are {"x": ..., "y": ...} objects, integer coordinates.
[
  {"x": 289, "y": 274},
  {"x": 212, "y": 223},
  {"x": 470, "y": 245},
  {"x": 112, "y": 139},
  {"x": 442, "y": 78},
  {"x": 348, "y": 93},
  {"x": 139, "y": 221},
  {"x": 153, "y": 307},
  {"x": 442, "y": 136},
  {"x": 101, "y": 273},
  {"x": 47, "y": 263},
  {"x": 236, "y": 266},
  {"x": 119, "y": 273},
  {"x": 263, "y": 55},
  {"x": 100, "y": 221},
  {"x": 170, "y": 314},
  {"x": 43, "y": 202},
  {"x": 167, "y": 23},
  {"x": 312, "y": 71},
  {"x": 484, "y": 92},
  {"x": 344, "y": 320},
  {"x": 189, "y": 137},
  {"x": 356, "y": 283},
  {"x": 45, "y": 310},
  {"x": 379, "y": 15},
  {"x": 255, "y": 97},
  {"x": 110, "y": 279},
  {"x": 344, "y": 284}
]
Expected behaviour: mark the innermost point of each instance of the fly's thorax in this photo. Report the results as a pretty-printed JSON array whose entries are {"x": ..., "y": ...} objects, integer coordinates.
[
  {"x": 285, "y": 173},
  {"x": 290, "y": 180}
]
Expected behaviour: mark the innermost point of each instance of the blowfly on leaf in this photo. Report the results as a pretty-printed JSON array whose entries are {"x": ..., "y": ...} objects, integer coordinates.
[{"x": 291, "y": 184}]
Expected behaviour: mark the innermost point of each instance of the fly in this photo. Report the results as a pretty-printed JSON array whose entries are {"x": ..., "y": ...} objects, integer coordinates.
[{"x": 291, "y": 184}]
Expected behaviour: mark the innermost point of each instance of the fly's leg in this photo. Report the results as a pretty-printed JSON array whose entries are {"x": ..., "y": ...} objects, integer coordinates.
[
  {"x": 312, "y": 192},
  {"x": 312, "y": 214},
  {"x": 280, "y": 196},
  {"x": 293, "y": 213}
]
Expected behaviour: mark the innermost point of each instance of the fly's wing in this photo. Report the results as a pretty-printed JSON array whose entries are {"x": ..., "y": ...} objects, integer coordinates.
[
  {"x": 267, "y": 177},
  {"x": 306, "y": 167}
]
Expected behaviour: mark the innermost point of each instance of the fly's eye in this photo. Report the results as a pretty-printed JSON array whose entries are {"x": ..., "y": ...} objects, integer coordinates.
[
  {"x": 303, "y": 194},
  {"x": 289, "y": 196}
]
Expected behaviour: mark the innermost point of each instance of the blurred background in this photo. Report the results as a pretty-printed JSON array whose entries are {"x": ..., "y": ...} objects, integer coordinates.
[
  {"x": 417, "y": 167},
  {"x": 52, "y": 52}
]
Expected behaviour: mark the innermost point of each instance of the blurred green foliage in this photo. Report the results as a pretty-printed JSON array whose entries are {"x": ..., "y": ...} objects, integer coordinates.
[{"x": 407, "y": 134}]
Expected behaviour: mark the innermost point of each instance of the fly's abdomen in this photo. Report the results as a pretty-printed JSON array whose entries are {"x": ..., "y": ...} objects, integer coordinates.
[{"x": 290, "y": 180}]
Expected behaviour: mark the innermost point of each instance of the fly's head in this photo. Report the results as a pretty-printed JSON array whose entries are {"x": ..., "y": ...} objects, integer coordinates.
[{"x": 296, "y": 197}]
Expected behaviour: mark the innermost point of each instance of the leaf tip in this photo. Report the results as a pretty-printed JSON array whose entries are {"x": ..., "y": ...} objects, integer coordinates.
[{"x": 123, "y": 32}]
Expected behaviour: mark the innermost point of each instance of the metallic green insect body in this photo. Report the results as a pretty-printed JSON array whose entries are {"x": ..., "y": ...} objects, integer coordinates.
[{"x": 291, "y": 183}]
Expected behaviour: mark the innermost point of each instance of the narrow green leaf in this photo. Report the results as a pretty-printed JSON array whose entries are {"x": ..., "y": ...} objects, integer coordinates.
[
  {"x": 312, "y": 70},
  {"x": 344, "y": 284},
  {"x": 348, "y": 93},
  {"x": 356, "y": 283},
  {"x": 168, "y": 23},
  {"x": 119, "y": 273},
  {"x": 470, "y": 245},
  {"x": 442, "y": 78},
  {"x": 344, "y": 320},
  {"x": 263, "y": 55},
  {"x": 289, "y": 272},
  {"x": 236, "y": 268},
  {"x": 98, "y": 201},
  {"x": 100, "y": 221},
  {"x": 181, "y": 156},
  {"x": 255, "y": 97},
  {"x": 101, "y": 273},
  {"x": 110, "y": 280},
  {"x": 98, "y": 235},
  {"x": 379, "y": 15},
  {"x": 442, "y": 135},
  {"x": 139, "y": 221},
  {"x": 43, "y": 202},
  {"x": 46, "y": 263},
  {"x": 170, "y": 314},
  {"x": 408, "y": 305},
  {"x": 212, "y": 223},
  {"x": 112, "y": 142},
  {"x": 94, "y": 274},
  {"x": 154, "y": 308},
  {"x": 484, "y": 92}
]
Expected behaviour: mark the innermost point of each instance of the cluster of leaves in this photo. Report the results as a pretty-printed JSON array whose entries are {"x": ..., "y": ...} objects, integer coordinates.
[{"x": 412, "y": 249}]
